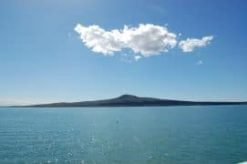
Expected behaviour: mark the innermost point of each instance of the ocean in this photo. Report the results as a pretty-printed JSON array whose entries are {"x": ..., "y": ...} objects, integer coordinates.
[{"x": 138, "y": 135}]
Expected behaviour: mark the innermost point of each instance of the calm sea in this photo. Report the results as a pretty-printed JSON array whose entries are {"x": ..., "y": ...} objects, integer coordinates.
[{"x": 208, "y": 134}]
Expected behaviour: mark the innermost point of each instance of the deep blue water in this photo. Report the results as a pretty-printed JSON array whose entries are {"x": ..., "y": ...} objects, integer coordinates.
[{"x": 209, "y": 134}]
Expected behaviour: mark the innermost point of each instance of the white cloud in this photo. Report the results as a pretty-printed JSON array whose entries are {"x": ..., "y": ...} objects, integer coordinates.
[
  {"x": 99, "y": 40},
  {"x": 190, "y": 44},
  {"x": 146, "y": 39}
]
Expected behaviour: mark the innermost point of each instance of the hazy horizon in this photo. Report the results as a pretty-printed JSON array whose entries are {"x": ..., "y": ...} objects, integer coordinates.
[{"x": 17, "y": 103}]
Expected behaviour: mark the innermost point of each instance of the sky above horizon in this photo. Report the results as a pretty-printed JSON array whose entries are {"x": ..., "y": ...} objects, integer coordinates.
[{"x": 76, "y": 50}]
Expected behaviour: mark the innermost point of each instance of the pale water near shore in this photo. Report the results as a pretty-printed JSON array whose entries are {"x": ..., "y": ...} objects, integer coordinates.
[{"x": 209, "y": 134}]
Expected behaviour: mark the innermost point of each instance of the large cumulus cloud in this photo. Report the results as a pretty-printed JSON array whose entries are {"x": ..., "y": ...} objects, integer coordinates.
[{"x": 145, "y": 40}]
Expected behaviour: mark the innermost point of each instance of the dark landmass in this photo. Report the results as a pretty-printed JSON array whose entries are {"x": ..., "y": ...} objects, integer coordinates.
[{"x": 133, "y": 101}]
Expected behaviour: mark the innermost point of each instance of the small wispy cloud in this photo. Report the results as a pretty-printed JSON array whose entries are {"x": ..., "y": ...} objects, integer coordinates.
[
  {"x": 137, "y": 58},
  {"x": 145, "y": 40},
  {"x": 199, "y": 62},
  {"x": 69, "y": 35},
  {"x": 190, "y": 44}
]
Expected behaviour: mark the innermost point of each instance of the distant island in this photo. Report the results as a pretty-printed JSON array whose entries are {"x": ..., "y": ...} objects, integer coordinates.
[{"x": 134, "y": 101}]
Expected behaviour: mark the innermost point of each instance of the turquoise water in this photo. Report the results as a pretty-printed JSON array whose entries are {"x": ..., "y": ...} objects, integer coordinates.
[{"x": 209, "y": 134}]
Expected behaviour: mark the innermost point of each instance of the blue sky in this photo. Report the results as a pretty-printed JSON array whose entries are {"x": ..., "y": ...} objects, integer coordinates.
[{"x": 43, "y": 59}]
